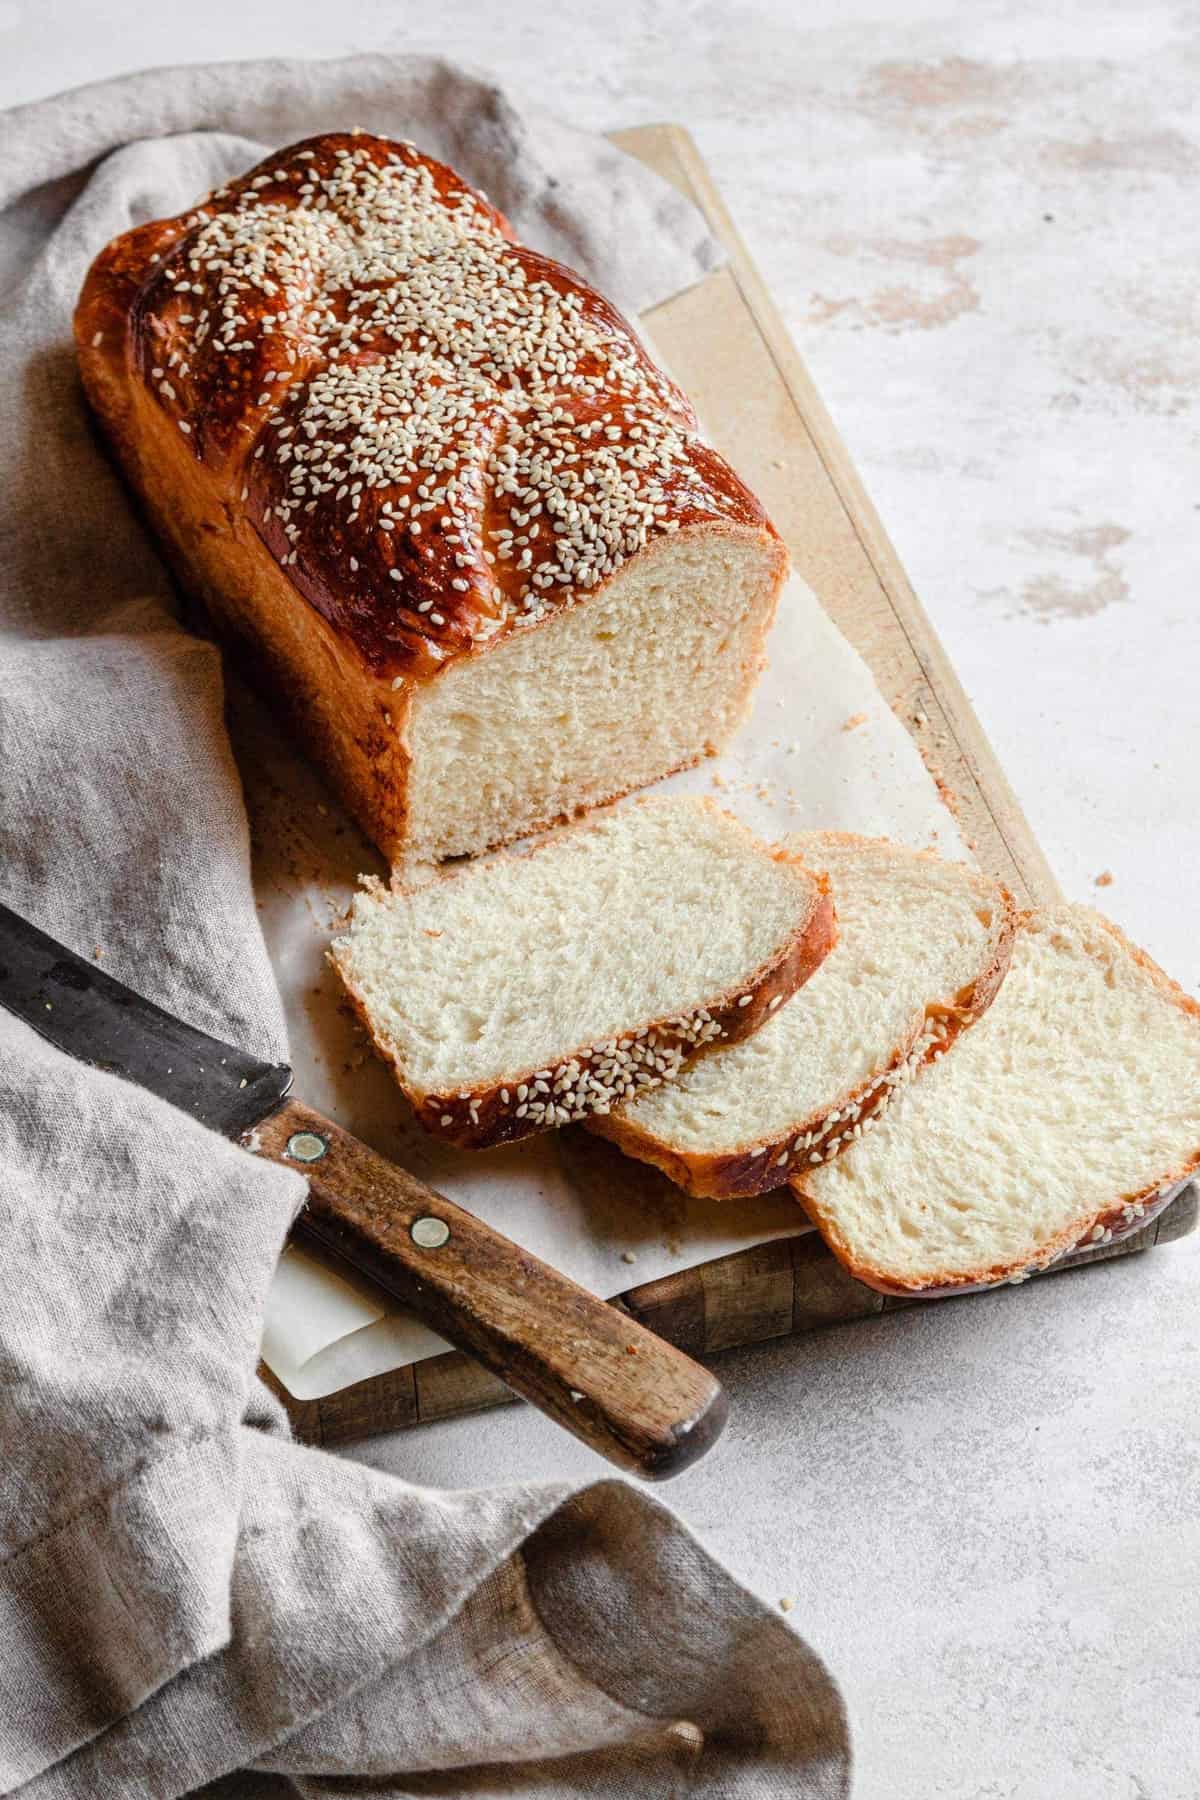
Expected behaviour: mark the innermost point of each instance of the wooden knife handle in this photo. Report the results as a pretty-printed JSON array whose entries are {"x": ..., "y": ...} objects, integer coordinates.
[{"x": 633, "y": 1398}]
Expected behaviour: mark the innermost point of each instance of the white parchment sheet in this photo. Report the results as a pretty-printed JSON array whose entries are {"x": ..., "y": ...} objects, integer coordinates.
[{"x": 821, "y": 750}]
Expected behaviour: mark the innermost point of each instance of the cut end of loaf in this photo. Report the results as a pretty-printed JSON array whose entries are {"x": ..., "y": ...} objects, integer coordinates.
[
  {"x": 524, "y": 992},
  {"x": 556, "y": 721},
  {"x": 1066, "y": 1118},
  {"x": 923, "y": 947}
]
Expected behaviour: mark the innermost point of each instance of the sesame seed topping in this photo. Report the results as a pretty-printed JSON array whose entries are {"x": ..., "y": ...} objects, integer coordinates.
[
  {"x": 418, "y": 374},
  {"x": 594, "y": 1080}
]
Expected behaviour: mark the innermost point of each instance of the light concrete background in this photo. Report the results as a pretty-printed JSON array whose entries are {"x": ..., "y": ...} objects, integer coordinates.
[{"x": 981, "y": 224}]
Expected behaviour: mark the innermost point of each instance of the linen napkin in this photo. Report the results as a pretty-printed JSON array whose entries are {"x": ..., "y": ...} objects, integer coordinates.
[{"x": 189, "y": 1601}]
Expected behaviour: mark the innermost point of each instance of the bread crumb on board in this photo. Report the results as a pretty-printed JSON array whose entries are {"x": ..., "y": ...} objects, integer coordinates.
[
  {"x": 946, "y": 793},
  {"x": 1104, "y": 878},
  {"x": 854, "y": 721},
  {"x": 786, "y": 1604}
]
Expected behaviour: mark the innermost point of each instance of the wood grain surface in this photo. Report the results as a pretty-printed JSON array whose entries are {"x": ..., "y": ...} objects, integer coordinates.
[
  {"x": 776, "y": 1290},
  {"x": 730, "y": 350},
  {"x": 725, "y": 341},
  {"x": 601, "y": 1375}
]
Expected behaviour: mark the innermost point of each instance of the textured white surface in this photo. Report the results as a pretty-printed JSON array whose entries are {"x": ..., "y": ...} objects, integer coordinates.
[{"x": 985, "y": 1513}]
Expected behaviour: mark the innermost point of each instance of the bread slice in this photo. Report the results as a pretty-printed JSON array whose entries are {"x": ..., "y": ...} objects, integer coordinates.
[
  {"x": 1068, "y": 1115},
  {"x": 524, "y": 992},
  {"x": 922, "y": 947}
]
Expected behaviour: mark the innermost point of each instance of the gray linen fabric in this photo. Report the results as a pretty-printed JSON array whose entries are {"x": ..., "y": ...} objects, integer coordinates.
[{"x": 189, "y": 1601}]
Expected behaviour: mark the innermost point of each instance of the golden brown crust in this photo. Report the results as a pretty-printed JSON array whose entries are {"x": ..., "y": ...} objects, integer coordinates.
[
  {"x": 1168, "y": 988},
  {"x": 499, "y": 1112},
  {"x": 1109, "y": 1225},
  {"x": 764, "y": 1164},
  {"x": 1105, "y": 1224},
  {"x": 152, "y": 308},
  {"x": 353, "y": 723},
  {"x": 347, "y": 593}
]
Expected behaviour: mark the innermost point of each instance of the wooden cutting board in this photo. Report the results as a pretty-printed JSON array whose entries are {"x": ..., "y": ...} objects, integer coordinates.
[{"x": 726, "y": 344}]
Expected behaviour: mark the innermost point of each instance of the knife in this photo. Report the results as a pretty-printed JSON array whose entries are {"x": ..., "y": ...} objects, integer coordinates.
[{"x": 633, "y": 1398}]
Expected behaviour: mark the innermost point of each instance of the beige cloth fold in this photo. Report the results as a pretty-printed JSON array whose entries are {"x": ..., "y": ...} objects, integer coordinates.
[{"x": 189, "y": 1601}]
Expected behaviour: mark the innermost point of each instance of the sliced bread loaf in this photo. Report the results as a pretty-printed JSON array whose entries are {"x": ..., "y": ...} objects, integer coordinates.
[
  {"x": 1065, "y": 1117},
  {"x": 922, "y": 947},
  {"x": 522, "y": 992}
]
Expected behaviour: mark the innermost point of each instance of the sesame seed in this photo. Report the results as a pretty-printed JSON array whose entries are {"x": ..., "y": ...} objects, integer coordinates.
[{"x": 371, "y": 249}]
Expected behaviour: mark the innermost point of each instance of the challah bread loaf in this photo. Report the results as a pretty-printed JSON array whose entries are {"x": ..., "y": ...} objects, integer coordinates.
[
  {"x": 1066, "y": 1116},
  {"x": 922, "y": 948},
  {"x": 432, "y": 482},
  {"x": 521, "y": 992}
]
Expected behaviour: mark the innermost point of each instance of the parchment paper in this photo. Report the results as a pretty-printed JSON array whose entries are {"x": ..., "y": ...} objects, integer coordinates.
[{"x": 821, "y": 750}]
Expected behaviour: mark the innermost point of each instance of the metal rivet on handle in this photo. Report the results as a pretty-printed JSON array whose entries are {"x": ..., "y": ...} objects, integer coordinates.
[
  {"x": 306, "y": 1146},
  {"x": 429, "y": 1233}
]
